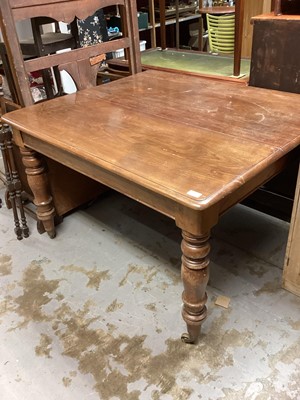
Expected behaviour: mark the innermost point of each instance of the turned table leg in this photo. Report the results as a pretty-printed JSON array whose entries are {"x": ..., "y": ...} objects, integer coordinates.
[
  {"x": 195, "y": 274},
  {"x": 38, "y": 182}
]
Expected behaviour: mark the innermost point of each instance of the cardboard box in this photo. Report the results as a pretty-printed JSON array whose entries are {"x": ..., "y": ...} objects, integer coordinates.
[{"x": 120, "y": 52}]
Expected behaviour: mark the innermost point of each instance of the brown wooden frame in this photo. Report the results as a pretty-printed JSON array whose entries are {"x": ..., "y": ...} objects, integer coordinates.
[{"x": 66, "y": 11}]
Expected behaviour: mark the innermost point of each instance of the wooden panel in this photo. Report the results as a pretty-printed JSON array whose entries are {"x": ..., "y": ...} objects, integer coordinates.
[
  {"x": 77, "y": 54},
  {"x": 291, "y": 273},
  {"x": 68, "y": 9},
  {"x": 266, "y": 6},
  {"x": 252, "y": 8},
  {"x": 275, "y": 55},
  {"x": 24, "y": 3},
  {"x": 290, "y": 6}
]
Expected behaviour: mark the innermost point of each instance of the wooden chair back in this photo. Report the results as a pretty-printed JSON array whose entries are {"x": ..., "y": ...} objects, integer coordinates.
[{"x": 81, "y": 63}]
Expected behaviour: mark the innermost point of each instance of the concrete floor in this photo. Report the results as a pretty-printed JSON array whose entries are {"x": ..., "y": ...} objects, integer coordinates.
[{"x": 95, "y": 313}]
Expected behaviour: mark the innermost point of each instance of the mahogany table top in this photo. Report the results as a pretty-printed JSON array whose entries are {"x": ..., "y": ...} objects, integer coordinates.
[{"x": 192, "y": 140}]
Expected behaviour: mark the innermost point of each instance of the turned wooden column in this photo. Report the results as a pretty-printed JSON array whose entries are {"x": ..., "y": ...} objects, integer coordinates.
[
  {"x": 195, "y": 274},
  {"x": 38, "y": 182},
  {"x": 277, "y": 7},
  {"x": 238, "y": 36}
]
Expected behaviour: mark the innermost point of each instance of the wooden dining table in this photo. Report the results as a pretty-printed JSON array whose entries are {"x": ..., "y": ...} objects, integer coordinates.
[{"x": 188, "y": 147}]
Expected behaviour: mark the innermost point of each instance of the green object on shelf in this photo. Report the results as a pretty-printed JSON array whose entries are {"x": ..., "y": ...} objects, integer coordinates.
[{"x": 143, "y": 20}]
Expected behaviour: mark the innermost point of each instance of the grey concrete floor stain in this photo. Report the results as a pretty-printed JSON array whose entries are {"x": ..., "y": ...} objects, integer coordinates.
[
  {"x": 44, "y": 347},
  {"x": 114, "y": 362},
  {"x": 95, "y": 276},
  {"x": 284, "y": 359},
  {"x": 114, "y": 306},
  {"x": 106, "y": 357},
  {"x": 174, "y": 261},
  {"x": 5, "y": 264},
  {"x": 183, "y": 394},
  {"x": 271, "y": 389},
  {"x": 294, "y": 324},
  {"x": 66, "y": 381},
  {"x": 257, "y": 270},
  {"x": 151, "y": 307},
  {"x": 117, "y": 362},
  {"x": 36, "y": 291},
  {"x": 147, "y": 272},
  {"x": 269, "y": 287},
  {"x": 174, "y": 274}
]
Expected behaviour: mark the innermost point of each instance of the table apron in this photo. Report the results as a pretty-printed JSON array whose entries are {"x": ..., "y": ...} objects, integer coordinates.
[
  {"x": 188, "y": 219},
  {"x": 195, "y": 221},
  {"x": 258, "y": 180}
]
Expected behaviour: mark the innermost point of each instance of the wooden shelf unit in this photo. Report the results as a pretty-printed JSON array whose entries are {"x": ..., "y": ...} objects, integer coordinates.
[{"x": 154, "y": 24}]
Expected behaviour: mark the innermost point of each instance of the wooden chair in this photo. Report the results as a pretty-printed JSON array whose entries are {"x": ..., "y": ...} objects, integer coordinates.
[
  {"x": 82, "y": 64},
  {"x": 37, "y": 45},
  {"x": 69, "y": 188},
  {"x": 221, "y": 33}
]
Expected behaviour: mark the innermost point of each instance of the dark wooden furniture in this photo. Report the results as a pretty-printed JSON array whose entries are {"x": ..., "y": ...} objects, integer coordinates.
[
  {"x": 69, "y": 188},
  {"x": 275, "y": 64},
  {"x": 275, "y": 61},
  {"x": 191, "y": 166},
  {"x": 286, "y": 7}
]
